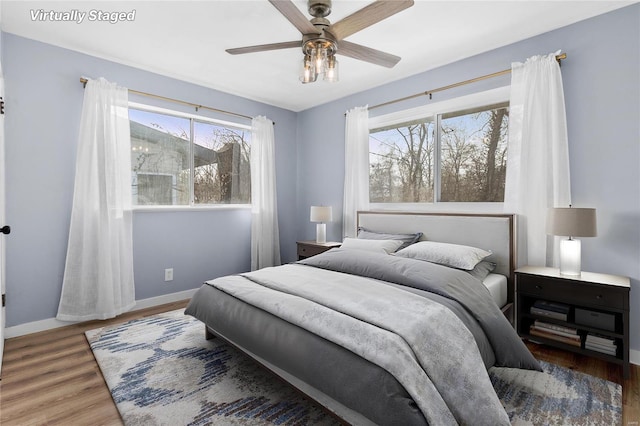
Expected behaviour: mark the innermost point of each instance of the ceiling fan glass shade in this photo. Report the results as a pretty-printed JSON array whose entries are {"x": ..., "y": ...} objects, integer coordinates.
[
  {"x": 331, "y": 72},
  {"x": 308, "y": 72},
  {"x": 321, "y": 59}
]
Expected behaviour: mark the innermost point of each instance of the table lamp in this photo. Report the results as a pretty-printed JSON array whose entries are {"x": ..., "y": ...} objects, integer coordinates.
[
  {"x": 571, "y": 222},
  {"x": 321, "y": 214}
]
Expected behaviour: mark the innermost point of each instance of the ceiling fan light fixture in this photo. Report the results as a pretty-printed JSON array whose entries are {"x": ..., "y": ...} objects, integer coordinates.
[
  {"x": 308, "y": 72},
  {"x": 320, "y": 54},
  {"x": 320, "y": 38},
  {"x": 319, "y": 58},
  {"x": 331, "y": 72}
]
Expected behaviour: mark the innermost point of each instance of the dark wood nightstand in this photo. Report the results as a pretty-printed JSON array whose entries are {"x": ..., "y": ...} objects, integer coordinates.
[
  {"x": 311, "y": 248},
  {"x": 553, "y": 309}
]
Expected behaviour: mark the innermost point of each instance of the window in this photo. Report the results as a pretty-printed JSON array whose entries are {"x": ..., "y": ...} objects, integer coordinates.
[
  {"x": 455, "y": 155},
  {"x": 473, "y": 154},
  {"x": 182, "y": 160},
  {"x": 401, "y": 160}
]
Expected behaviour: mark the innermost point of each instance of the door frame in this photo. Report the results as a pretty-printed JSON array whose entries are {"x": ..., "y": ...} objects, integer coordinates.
[{"x": 2, "y": 218}]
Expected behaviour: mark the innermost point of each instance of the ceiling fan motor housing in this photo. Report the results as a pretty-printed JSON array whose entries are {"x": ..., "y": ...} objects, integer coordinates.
[
  {"x": 319, "y": 8},
  {"x": 324, "y": 40}
]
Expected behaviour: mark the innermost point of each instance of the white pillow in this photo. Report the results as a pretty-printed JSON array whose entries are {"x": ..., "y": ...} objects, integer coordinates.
[
  {"x": 453, "y": 255},
  {"x": 379, "y": 246}
]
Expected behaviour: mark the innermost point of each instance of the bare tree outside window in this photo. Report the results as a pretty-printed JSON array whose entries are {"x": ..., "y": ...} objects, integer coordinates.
[
  {"x": 401, "y": 163},
  {"x": 221, "y": 169},
  {"x": 472, "y": 158},
  {"x": 474, "y": 148}
]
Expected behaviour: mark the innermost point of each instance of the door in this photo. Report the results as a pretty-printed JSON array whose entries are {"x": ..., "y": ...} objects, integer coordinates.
[{"x": 3, "y": 229}]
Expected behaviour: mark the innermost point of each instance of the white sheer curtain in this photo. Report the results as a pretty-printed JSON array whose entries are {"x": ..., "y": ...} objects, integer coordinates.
[
  {"x": 265, "y": 239},
  {"x": 538, "y": 155},
  {"x": 356, "y": 168},
  {"x": 98, "y": 275}
]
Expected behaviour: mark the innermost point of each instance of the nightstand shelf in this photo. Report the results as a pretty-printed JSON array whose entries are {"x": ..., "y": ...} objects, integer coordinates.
[{"x": 601, "y": 298}]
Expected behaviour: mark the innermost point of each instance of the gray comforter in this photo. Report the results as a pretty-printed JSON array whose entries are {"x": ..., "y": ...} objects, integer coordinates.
[
  {"x": 450, "y": 283},
  {"x": 420, "y": 342}
]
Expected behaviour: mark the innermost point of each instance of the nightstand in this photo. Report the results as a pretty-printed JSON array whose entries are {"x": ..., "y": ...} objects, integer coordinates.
[
  {"x": 586, "y": 314},
  {"x": 311, "y": 248}
]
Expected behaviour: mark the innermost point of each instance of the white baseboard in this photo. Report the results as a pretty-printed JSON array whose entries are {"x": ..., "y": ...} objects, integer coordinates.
[{"x": 51, "y": 323}]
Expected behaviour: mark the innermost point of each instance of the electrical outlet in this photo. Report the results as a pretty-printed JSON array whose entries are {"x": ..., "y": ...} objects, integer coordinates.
[{"x": 168, "y": 274}]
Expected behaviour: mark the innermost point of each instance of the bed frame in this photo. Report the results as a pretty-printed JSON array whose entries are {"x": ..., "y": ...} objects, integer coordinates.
[{"x": 490, "y": 232}]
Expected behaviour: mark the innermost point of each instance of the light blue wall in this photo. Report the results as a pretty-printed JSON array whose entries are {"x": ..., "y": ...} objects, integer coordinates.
[
  {"x": 44, "y": 101},
  {"x": 602, "y": 94}
]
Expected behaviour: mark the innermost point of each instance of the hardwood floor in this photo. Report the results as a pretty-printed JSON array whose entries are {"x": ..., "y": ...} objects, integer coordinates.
[{"x": 52, "y": 378}]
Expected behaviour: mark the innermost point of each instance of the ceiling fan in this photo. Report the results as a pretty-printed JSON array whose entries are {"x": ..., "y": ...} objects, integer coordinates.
[{"x": 321, "y": 40}]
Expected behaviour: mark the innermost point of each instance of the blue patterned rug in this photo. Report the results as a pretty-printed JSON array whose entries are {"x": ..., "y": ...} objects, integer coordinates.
[{"x": 161, "y": 371}]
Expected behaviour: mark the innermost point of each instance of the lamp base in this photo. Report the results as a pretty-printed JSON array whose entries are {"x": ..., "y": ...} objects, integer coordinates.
[
  {"x": 321, "y": 233},
  {"x": 570, "y": 257}
]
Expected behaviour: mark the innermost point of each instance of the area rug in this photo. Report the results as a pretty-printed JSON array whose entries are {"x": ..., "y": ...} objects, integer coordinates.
[
  {"x": 558, "y": 396},
  {"x": 161, "y": 371}
]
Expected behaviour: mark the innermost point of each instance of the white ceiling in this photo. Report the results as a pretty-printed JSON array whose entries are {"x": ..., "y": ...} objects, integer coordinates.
[{"x": 187, "y": 39}]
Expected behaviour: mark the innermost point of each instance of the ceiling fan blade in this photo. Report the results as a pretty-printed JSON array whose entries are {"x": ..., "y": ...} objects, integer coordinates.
[
  {"x": 264, "y": 47},
  {"x": 293, "y": 14},
  {"x": 367, "y": 16},
  {"x": 367, "y": 54}
]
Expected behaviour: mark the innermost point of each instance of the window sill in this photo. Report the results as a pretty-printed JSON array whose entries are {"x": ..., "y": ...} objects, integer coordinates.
[
  {"x": 441, "y": 207},
  {"x": 210, "y": 207}
]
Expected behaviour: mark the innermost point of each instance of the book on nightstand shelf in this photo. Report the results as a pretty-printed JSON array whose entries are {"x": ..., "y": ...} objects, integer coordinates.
[
  {"x": 603, "y": 344},
  {"x": 556, "y": 329},
  {"x": 553, "y": 310},
  {"x": 573, "y": 340}
]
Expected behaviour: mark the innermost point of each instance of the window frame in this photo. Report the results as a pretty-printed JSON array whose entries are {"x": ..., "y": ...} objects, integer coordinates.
[
  {"x": 195, "y": 117},
  {"x": 434, "y": 111}
]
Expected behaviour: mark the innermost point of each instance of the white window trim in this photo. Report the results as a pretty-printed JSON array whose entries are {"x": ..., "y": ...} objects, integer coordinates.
[
  {"x": 185, "y": 208},
  {"x": 150, "y": 108},
  {"x": 189, "y": 207},
  {"x": 441, "y": 206},
  {"x": 474, "y": 100}
]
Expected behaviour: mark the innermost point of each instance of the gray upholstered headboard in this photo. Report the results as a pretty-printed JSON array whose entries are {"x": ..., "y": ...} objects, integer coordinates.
[{"x": 493, "y": 232}]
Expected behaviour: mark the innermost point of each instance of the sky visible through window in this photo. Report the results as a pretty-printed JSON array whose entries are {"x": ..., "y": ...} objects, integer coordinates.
[
  {"x": 468, "y": 124},
  {"x": 176, "y": 126}
]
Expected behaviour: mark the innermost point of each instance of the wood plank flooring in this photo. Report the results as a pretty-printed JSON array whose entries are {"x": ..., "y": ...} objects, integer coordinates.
[{"x": 52, "y": 378}]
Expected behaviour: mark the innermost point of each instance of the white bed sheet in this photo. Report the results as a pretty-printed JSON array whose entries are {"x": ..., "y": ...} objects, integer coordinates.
[{"x": 497, "y": 285}]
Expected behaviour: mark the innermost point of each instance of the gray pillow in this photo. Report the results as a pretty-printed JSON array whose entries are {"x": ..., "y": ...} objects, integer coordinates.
[
  {"x": 482, "y": 269},
  {"x": 453, "y": 255},
  {"x": 407, "y": 239},
  {"x": 379, "y": 246}
]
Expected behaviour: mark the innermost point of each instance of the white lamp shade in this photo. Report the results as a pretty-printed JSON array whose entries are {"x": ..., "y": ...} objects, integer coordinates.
[
  {"x": 571, "y": 222},
  {"x": 321, "y": 214}
]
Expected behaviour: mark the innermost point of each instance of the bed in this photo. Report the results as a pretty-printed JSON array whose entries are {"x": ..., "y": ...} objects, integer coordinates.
[{"x": 378, "y": 338}]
